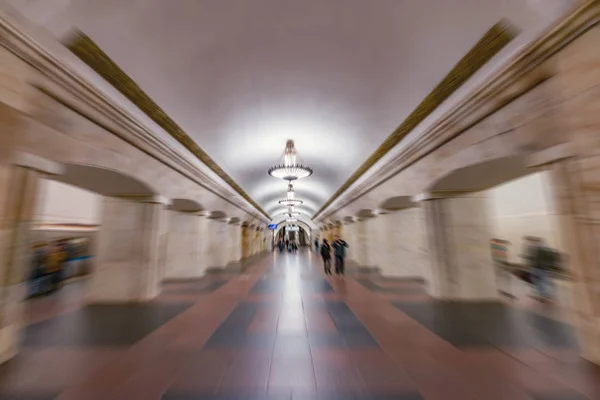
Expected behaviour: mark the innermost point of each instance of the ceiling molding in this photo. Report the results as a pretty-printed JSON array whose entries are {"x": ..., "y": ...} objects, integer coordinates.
[
  {"x": 494, "y": 40},
  {"x": 68, "y": 88},
  {"x": 492, "y": 95},
  {"x": 87, "y": 51}
]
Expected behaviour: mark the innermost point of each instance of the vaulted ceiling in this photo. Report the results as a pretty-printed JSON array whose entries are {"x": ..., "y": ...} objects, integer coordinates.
[{"x": 240, "y": 77}]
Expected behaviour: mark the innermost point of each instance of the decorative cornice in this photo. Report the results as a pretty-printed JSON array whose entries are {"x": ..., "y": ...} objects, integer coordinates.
[
  {"x": 76, "y": 93},
  {"x": 494, "y": 40},
  {"x": 485, "y": 99},
  {"x": 89, "y": 52}
]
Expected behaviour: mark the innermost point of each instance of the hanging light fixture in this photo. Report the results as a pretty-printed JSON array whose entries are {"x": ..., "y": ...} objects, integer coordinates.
[
  {"x": 290, "y": 200},
  {"x": 291, "y": 220},
  {"x": 291, "y": 213},
  {"x": 291, "y": 167}
]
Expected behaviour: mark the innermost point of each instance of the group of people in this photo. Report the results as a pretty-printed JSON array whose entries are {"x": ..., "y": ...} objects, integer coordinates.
[
  {"x": 290, "y": 246},
  {"x": 338, "y": 247},
  {"x": 540, "y": 262},
  {"x": 49, "y": 261}
]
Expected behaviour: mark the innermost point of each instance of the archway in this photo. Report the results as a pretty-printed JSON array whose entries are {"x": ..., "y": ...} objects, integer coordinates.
[
  {"x": 131, "y": 241},
  {"x": 303, "y": 233},
  {"x": 493, "y": 203}
]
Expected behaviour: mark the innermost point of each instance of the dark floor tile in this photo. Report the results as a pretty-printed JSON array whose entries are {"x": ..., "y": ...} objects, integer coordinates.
[
  {"x": 489, "y": 324},
  {"x": 225, "y": 397},
  {"x": 103, "y": 325},
  {"x": 557, "y": 397}
]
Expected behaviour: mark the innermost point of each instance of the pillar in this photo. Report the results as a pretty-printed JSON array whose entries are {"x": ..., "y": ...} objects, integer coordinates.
[
  {"x": 184, "y": 248},
  {"x": 133, "y": 235},
  {"x": 349, "y": 236},
  {"x": 402, "y": 244},
  {"x": 20, "y": 175},
  {"x": 235, "y": 244},
  {"x": 574, "y": 187},
  {"x": 217, "y": 244},
  {"x": 363, "y": 246},
  {"x": 246, "y": 245},
  {"x": 458, "y": 231}
]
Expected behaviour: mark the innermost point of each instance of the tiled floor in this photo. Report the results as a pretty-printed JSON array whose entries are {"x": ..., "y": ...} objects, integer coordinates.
[{"x": 281, "y": 330}]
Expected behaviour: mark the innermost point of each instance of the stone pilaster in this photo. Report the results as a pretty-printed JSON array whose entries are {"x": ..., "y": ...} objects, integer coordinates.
[
  {"x": 133, "y": 235},
  {"x": 19, "y": 182},
  {"x": 458, "y": 231}
]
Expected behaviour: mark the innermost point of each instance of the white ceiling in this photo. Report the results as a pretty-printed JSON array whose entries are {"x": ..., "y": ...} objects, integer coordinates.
[{"x": 243, "y": 76}]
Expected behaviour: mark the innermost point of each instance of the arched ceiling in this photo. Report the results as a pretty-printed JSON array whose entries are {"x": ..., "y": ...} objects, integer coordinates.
[{"x": 241, "y": 77}]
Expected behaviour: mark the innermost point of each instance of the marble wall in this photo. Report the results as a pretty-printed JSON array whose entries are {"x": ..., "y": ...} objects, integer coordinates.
[{"x": 60, "y": 203}]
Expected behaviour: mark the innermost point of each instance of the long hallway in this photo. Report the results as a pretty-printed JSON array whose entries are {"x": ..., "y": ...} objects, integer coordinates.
[{"x": 282, "y": 330}]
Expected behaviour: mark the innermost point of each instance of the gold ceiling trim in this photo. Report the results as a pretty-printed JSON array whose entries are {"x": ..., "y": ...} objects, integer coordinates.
[
  {"x": 494, "y": 40},
  {"x": 89, "y": 52}
]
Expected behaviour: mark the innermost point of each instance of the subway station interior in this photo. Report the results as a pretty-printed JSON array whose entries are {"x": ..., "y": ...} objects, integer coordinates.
[{"x": 300, "y": 200}]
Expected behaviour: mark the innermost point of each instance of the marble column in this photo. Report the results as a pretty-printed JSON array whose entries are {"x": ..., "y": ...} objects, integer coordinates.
[
  {"x": 361, "y": 246},
  {"x": 20, "y": 176},
  {"x": 217, "y": 242},
  {"x": 235, "y": 244},
  {"x": 367, "y": 241},
  {"x": 246, "y": 242},
  {"x": 133, "y": 235},
  {"x": 349, "y": 236},
  {"x": 574, "y": 186},
  {"x": 458, "y": 231},
  {"x": 184, "y": 248},
  {"x": 402, "y": 251}
]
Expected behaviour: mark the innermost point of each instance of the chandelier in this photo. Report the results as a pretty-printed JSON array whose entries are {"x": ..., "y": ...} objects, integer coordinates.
[
  {"x": 290, "y": 200},
  {"x": 291, "y": 213},
  {"x": 290, "y": 167}
]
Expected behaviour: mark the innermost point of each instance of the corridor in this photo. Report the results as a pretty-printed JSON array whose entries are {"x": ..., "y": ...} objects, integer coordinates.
[{"x": 282, "y": 330}]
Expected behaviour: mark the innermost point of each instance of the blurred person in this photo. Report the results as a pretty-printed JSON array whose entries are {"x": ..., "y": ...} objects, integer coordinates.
[
  {"x": 542, "y": 261},
  {"x": 55, "y": 264},
  {"x": 317, "y": 245},
  {"x": 499, "y": 249},
  {"x": 326, "y": 255},
  {"x": 339, "y": 247}
]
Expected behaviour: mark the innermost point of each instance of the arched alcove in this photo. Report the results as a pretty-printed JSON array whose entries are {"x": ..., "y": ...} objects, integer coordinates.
[
  {"x": 217, "y": 215},
  {"x": 397, "y": 203},
  {"x": 103, "y": 181},
  {"x": 483, "y": 175},
  {"x": 186, "y": 205},
  {"x": 366, "y": 213}
]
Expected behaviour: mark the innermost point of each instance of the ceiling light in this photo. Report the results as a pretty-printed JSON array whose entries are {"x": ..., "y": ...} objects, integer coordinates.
[
  {"x": 291, "y": 213},
  {"x": 290, "y": 200},
  {"x": 290, "y": 167},
  {"x": 291, "y": 220}
]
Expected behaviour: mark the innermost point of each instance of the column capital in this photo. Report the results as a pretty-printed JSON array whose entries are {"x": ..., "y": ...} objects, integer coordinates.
[
  {"x": 37, "y": 163},
  {"x": 552, "y": 155},
  {"x": 147, "y": 198},
  {"x": 426, "y": 196}
]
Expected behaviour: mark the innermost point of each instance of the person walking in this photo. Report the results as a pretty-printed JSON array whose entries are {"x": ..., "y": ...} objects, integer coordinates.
[
  {"x": 317, "y": 245},
  {"x": 326, "y": 255},
  {"x": 339, "y": 247},
  {"x": 544, "y": 261}
]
